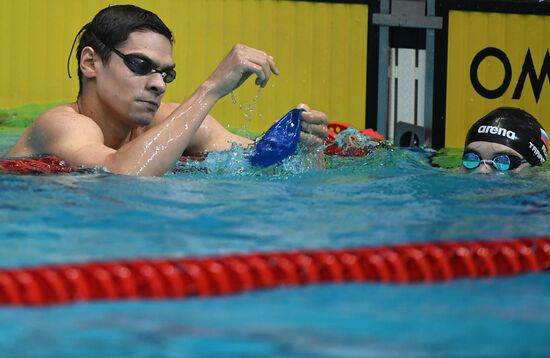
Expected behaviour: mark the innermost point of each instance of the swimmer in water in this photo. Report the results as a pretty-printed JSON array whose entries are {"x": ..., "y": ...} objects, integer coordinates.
[
  {"x": 119, "y": 121},
  {"x": 506, "y": 139}
]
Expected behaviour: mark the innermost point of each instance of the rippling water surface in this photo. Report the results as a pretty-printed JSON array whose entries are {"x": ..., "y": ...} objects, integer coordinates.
[{"x": 391, "y": 196}]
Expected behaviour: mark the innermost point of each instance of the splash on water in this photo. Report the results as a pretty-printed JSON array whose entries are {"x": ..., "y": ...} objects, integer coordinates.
[{"x": 236, "y": 162}]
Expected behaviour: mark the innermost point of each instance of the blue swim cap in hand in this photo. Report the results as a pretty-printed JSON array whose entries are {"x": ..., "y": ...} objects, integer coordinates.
[{"x": 280, "y": 141}]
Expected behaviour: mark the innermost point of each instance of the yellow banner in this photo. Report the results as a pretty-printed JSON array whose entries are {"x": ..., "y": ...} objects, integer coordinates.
[{"x": 495, "y": 60}]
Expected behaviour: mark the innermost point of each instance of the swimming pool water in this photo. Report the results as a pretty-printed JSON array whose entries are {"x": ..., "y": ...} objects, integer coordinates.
[{"x": 392, "y": 196}]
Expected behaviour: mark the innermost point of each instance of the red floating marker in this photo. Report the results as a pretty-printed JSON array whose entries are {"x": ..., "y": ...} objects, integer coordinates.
[
  {"x": 46, "y": 164},
  {"x": 350, "y": 149}
]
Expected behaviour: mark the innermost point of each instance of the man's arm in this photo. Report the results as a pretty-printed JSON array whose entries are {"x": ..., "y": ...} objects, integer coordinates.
[{"x": 211, "y": 135}]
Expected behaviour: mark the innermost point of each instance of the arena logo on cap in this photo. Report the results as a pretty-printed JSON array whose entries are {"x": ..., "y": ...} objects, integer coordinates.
[{"x": 498, "y": 131}]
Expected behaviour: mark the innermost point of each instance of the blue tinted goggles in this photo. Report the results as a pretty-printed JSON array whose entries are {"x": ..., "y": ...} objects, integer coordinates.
[{"x": 501, "y": 162}]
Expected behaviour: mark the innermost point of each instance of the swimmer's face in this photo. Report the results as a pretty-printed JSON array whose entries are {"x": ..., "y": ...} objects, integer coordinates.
[
  {"x": 132, "y": 97},
  {"x": 488, "y": 151}
]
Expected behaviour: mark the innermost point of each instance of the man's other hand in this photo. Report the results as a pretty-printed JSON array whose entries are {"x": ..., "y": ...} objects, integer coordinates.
[{"x": 314, "y": 127}]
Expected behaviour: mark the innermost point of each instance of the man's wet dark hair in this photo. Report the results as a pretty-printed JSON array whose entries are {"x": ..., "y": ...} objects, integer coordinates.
[{"x": 112, "y": 26}]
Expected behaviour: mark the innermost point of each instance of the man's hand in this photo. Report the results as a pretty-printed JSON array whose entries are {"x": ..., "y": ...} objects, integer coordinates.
[
  {"x": 241, "y": 62},
  {"x": 314, "y": 127}
]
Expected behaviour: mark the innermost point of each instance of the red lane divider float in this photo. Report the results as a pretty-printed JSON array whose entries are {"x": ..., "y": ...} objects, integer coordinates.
[
  {"x": 214, "y": 276},
  {"x": 337, "y": 127},
  {"x": 351, "y": 149},
  {"x": 50, "y": 164},
  {"x": 46, "y": 164}
]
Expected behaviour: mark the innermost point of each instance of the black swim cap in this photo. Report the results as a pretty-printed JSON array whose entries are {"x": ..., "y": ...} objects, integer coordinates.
[{"x": 515, "y": 129}]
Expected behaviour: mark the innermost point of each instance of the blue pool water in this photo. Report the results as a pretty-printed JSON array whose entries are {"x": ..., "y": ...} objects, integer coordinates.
[{"x": 392, "y": 196}]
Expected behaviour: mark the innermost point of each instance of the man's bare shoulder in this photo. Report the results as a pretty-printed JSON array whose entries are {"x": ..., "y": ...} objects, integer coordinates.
[
  {"x": 64, "y": 120},
  {"x": 56, "y": 127},
  {"x": 64, "y": 115},
  {"x": 166, "y": 108}
]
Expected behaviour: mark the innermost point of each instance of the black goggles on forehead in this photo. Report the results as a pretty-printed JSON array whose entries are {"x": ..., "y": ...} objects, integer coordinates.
[{"x": 143, "y": 66}]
